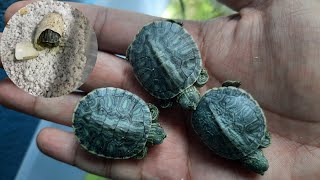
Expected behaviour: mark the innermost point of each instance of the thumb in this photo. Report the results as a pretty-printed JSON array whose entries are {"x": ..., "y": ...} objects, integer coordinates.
[{"x": 237, "y": 5}]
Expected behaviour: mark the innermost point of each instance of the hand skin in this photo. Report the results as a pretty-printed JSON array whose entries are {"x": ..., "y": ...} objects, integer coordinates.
[{"x": 271, "y": 46}]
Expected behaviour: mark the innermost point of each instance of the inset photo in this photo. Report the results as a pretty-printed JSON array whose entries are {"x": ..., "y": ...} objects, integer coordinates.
[{"x": 48, "y": 48}]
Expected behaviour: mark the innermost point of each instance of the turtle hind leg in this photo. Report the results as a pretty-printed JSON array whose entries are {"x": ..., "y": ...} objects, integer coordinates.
[
  {"x": 256, "y": 162},
  {"x": 141, "y": 154},
  {"x": 202, "y": 79},
  {"x": 174, "y": 21},
  {"x": 266, "y": 140},
  {"x": 231, "y": 83}
]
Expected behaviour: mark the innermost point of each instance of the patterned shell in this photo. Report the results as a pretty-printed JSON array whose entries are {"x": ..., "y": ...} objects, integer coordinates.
[
  {"x": 112, "y": 123},
  {"x": 165, "y": 59},
  {"x": 230, "y": 122},
  {"x": 49, "y": 38}
]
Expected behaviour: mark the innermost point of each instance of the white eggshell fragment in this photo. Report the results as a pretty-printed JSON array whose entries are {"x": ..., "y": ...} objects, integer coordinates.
[
  {"x": 53, "y": 21},
  {"x": 25, "y": 51}
]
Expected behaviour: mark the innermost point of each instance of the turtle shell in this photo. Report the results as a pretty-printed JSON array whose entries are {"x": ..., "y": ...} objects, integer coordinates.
[
  {"x": 165, "y": 59},
  {"x": 49, "y": 38},
  {"x": 112, "y": 123},
  {"x": 230, "y": 122}
]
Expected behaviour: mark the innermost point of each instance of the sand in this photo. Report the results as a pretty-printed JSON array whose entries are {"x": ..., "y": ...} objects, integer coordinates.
[{"x": 57, "y": 71}]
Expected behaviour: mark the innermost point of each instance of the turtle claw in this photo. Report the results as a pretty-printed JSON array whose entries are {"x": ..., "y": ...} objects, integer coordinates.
[{"x": 202, "y": 79}]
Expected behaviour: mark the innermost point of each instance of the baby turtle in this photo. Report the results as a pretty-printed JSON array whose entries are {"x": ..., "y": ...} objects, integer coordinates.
[
  {"x": 167, "y": 63},
  {"x": 49, "y": 31},
  {"x": 114, "y": 123},
  {"x": 232, "y": 124},
  {"x": 49, "y": 39}
]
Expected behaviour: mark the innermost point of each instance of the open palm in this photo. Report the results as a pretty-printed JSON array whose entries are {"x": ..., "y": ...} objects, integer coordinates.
[{"x": 273, "y": 48}]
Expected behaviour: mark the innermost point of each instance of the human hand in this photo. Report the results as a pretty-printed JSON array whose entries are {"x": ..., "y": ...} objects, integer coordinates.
[{"x": 271, "y": 47}]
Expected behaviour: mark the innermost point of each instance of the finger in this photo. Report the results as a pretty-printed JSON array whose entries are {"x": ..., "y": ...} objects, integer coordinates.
[
  {"x": 115, "y": 29},
  {"x": 58, "y": 110},
  {"x": 64, "y": 147},
  {"x": 112, "y": 71},
  {"x": 237, "y": 5}
]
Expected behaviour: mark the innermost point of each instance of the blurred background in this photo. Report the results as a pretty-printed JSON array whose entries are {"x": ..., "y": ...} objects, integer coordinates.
[{"x": 20, "y": 158}]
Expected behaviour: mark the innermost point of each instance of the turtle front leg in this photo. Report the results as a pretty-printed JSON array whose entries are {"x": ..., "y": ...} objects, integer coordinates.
[
  {"x": 189, "y": 98},
  {"x": 202, "y": 79},
  {"x": 256, "y": 162},
  {"x": 156, "y": 134},
  {"x": 231, "y": 83}
]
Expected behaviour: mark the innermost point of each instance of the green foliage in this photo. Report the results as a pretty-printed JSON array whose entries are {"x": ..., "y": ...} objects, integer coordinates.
[
  {"x": 94, "y": 177},
  {"x": 195, "y": 9}
]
